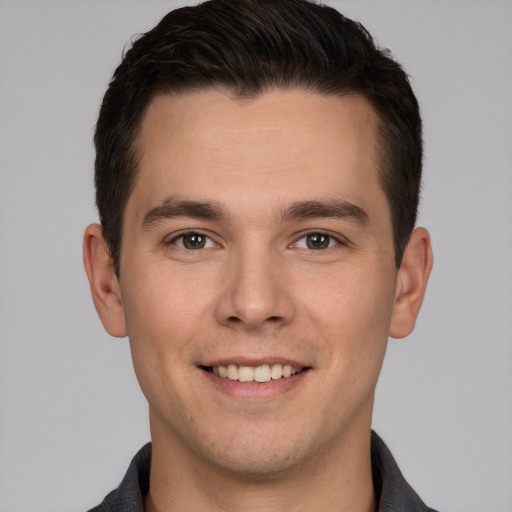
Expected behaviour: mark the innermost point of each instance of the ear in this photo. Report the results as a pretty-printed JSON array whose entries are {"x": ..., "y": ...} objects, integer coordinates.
[
  {"x": 411, "y": 283},
  {"x": 105, "y": 289}
]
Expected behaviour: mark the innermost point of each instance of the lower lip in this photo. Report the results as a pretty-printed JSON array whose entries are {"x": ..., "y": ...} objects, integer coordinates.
[{"x": 255, "y": 391}]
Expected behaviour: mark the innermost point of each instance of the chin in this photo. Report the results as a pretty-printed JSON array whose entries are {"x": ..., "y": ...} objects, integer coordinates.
[
  {"x": 260, "y": 457},
  {"x": 260, "y": 465}
]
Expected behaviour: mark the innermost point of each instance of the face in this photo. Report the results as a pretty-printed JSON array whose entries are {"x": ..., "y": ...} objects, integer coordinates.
[{"x": 257, "y": 243}]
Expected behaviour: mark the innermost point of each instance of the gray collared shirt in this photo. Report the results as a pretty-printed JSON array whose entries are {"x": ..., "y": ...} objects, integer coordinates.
[{"x": 393, "y": 493}]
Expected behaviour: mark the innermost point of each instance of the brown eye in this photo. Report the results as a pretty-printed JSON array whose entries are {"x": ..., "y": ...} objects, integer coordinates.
[
  {"x": 317, "y": 241},
  {"x": 193, "y": 241}
]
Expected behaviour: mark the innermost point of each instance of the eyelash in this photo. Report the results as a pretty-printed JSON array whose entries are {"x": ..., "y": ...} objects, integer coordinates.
[
  {"x": 209, "y": 242},
  {"x": 174, "y": 241},
  {"x": 331, "y": 238}
]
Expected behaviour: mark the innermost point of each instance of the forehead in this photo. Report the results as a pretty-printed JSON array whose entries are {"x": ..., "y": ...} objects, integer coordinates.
[{"x": 277, "y": 146}]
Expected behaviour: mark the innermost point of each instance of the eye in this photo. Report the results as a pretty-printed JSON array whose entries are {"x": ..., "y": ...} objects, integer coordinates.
[
  {"x": 193, "y": 240},
  {"x": 316, "y": 241}
]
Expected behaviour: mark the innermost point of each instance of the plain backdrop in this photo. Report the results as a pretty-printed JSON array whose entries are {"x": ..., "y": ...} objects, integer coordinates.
[{"x": 71, "y": 412}]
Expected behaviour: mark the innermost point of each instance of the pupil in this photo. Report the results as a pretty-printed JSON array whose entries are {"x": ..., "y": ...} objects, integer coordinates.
[
  {"x": 194, "y": 241},
  {"x": 318, "y": 241}
]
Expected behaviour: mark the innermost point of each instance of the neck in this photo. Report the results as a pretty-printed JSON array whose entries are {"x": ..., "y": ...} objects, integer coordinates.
[{"x": 338, "y": 479}]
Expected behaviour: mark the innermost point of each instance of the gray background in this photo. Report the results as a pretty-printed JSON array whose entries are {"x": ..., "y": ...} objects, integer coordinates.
[{"x": 71, "y": 413}]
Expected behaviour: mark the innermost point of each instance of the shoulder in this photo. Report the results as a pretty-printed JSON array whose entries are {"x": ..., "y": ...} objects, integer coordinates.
[
  {"x": 129, "y": 496},
  {"x": 393, "y": 492}
]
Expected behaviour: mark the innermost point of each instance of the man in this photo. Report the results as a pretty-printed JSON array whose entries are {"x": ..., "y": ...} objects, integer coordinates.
[{"x": 258, "y": 171}]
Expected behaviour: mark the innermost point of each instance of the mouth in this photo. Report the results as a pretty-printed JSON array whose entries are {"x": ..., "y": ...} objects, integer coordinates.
[{"x": 248, "y": 374}]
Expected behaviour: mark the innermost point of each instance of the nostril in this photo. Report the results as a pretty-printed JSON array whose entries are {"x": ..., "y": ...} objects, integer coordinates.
[
  {"x": 254, "y": 322},
  {"x": 272, "y": 319}
]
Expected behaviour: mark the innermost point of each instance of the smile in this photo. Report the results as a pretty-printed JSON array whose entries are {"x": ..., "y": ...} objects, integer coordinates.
[{"x": 263, "y": 373}]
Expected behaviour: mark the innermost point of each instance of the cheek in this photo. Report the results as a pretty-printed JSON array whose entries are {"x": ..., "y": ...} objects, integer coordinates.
[
  {"x": 158, "y": 343},
  {"x": 351, "y": 311},
  {"x": 354, "y": 325},
  {"x": 163, "y": 315},
  {"x": 164, "y": 304},
  {"x": 352, "y": 298}
]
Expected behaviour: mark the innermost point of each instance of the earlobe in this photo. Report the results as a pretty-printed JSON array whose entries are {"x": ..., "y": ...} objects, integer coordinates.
[
  {"x": 105, "y": 290},
  {"x": 411, "y": 283}
]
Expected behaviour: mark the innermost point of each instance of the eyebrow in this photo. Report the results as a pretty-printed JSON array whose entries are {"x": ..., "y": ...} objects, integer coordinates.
[
  {"x": 172, "y": 208},
  {"x": 301, "y": 210},
  {"x": 325, "y": 209}
]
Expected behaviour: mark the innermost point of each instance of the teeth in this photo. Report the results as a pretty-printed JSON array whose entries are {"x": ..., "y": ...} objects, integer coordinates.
[
  {"x": 245, "y": 374},
  {"x": 231, "y": 371},
  {"x": 277, "y": 371},
  {"x": 263, "y": 373}
]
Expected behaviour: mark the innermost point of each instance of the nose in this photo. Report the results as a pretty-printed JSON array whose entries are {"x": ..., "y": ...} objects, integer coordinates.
[{"x": 255, "y": 294}]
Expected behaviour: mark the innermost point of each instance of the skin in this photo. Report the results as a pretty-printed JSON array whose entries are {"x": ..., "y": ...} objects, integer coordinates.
[{"x": 256, "y": 292}]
